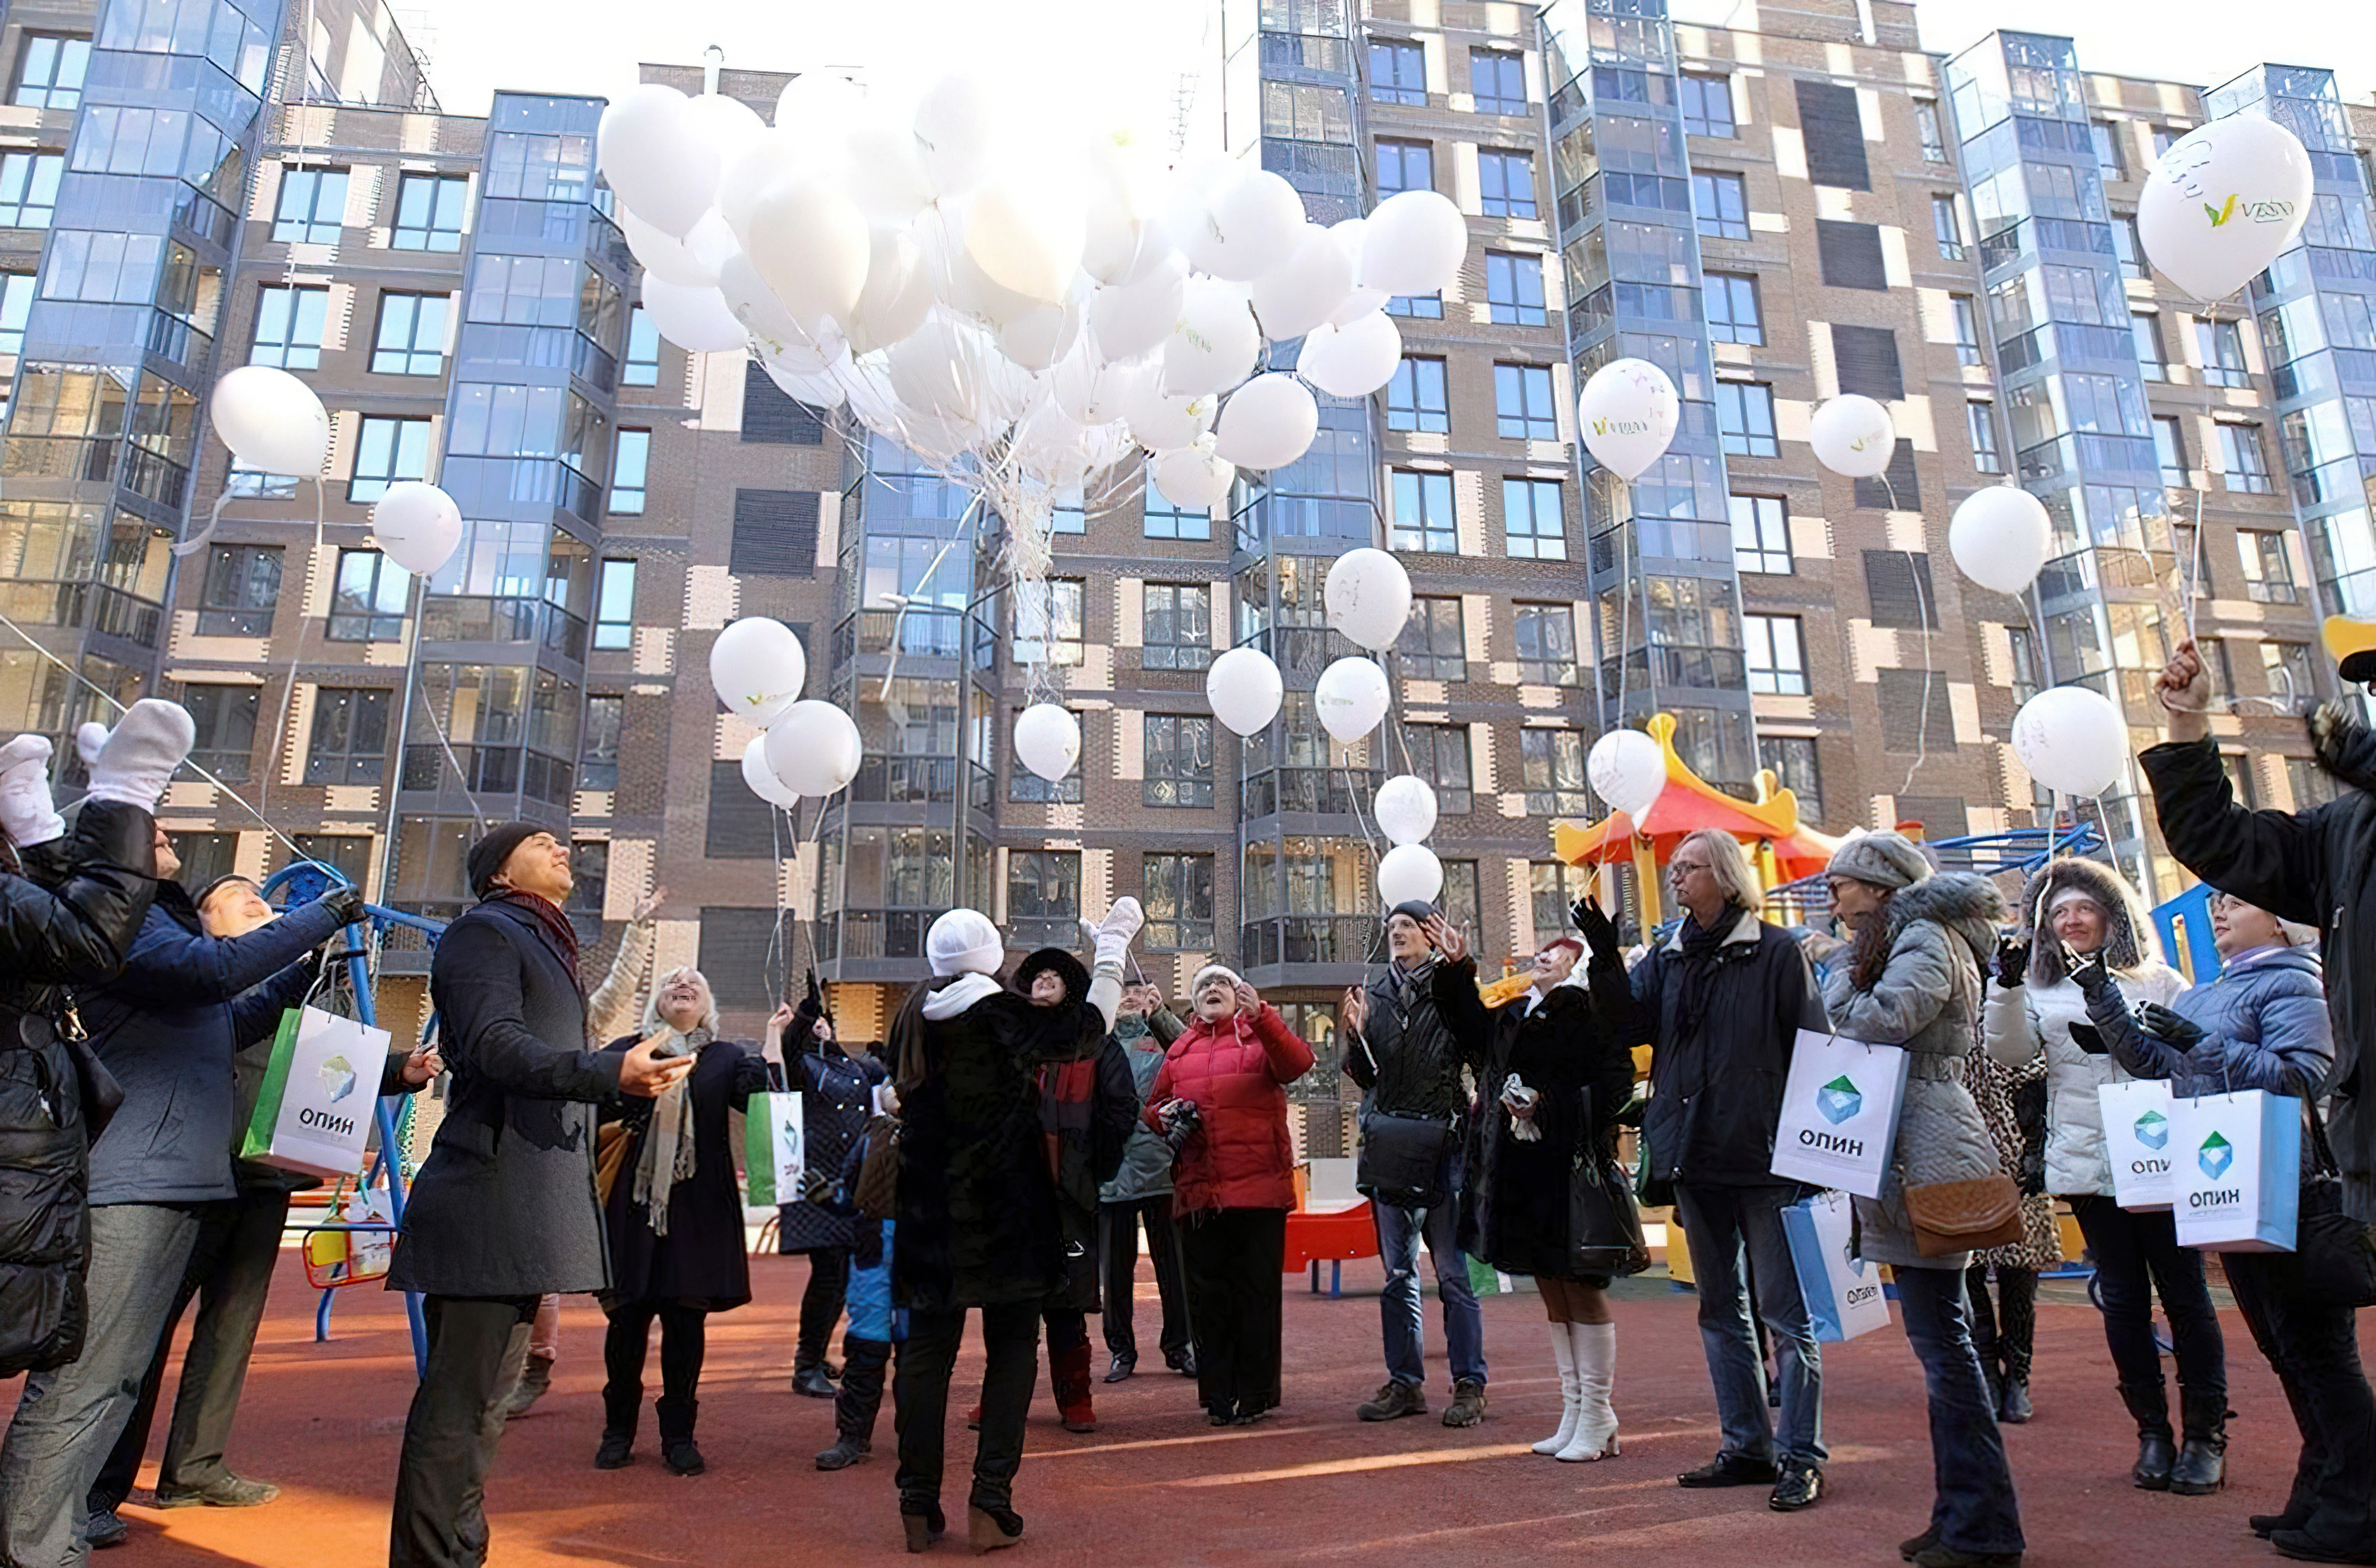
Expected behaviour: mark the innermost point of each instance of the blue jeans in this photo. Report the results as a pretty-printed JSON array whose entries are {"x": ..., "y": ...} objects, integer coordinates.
[
  {"x": 1973, "y": 1507},
  {"x": 1399, "y": 1231},
  {"x": 1736, "y": 1237}
]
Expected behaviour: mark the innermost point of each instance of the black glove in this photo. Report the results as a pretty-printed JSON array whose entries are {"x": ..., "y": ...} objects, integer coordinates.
[
  {"x": 816, "y": 993},
  {"x": 815, "y": 1186},
  {"x": 2013, "y": 961},
  {"x": 1599, "y": 931},
  {"x": 2090, "y": 973},
  {"x": 2089, "y": 1039},
  {"x": 2167, "y": 1027},
  {"x": 345, "y": 901},
  {"x": 1179, "y": 1120},
  {"x": 2345, "y": 747}
]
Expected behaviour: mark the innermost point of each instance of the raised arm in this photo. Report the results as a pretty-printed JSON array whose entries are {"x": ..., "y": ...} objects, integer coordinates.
[
  {"x": 174, "y": 967},
  {"x": 1912, "y": 990},
  {"x": 2140, "y": 1054},
  {"x": 476, "y": 981},
  {"x": 1462, "y": 1007},
  {"x": 611, "y": 1011},
  {"x": 73, "y": 916}
]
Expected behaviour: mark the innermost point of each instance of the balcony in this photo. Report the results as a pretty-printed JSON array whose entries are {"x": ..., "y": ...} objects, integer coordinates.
[
  {"x": 1339, "y": 939},
  {"x": 494, "y": 771},
  {"x": 151, "y": 474},
  {"x": 1304, "y": 52},
  {"x": 479, "y": 485},
  {"x": 1697, "y": 668},
  {"x": 72, "y": 458},
  {"x": 914, "y": 780},
  {"x": 928, "y": 634},
  {"x": 1317, "y": 792},
  {"x": 172, "y": 339},
  {"x": 864, "y": 935}
]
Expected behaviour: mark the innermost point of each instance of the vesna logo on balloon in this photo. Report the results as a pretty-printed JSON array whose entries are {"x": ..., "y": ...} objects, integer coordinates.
[
  {"x": 1621, "y": 427},
  {"x": 2258, "y": 211}
]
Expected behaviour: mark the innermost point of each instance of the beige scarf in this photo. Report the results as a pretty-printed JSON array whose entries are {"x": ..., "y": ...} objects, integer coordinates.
[{"x": 669, "y": 1147}]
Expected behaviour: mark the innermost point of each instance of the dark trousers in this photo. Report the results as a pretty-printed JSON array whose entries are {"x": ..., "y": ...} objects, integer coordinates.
[
  {"x": 820, "y": 1304},
  {"x": 2003, "y": 1332},
  {"x": 1118, "y": 1244},
  {"x": 229, "y": 1274},
  {"x": 2137, "y": 1257},
  {"x": 860, "y": 1396},
  {"x": 920, "y": 1391},
  {"x": 2315, "y": 1353},
  {"x": 1232, "y": 1258},
  {"x": 1973, "y": 1507},
  {"x": 476, "y": 1346},
  {"x": 683, "y": 1336},
  {"x": 1068, "y": 1329}
]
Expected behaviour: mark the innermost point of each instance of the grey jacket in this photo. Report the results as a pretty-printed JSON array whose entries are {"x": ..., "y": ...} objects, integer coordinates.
[
  {"x": 1927, "y": 1000},
  {"x": 1147, "y": 1159}
]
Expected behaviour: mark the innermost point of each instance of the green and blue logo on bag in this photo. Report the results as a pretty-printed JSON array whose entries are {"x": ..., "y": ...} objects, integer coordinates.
[
  {"x": 2216, "y": 1155},
  {"x": 2152, "y": 1130},
  {"x": 1839, "y": 1099},
  {"x": 339, "y": 1077}
]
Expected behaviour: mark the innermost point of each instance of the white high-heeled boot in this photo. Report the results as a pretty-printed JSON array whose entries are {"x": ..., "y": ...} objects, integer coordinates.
[
  {"x": 1571, "y": 1392},
  {"x": 1594, "y": 1350}
]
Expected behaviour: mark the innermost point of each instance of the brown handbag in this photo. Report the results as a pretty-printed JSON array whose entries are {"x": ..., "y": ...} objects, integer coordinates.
[
  {"x": 1959, "y": 1217},
  {"x": 610, "y": 1141}
]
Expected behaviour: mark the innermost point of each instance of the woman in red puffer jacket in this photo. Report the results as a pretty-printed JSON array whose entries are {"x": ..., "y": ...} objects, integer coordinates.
[{"x": 1220, "y": 1097}]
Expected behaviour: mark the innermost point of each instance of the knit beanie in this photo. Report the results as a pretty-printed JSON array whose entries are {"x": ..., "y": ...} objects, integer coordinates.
[
  {"x": 963, "y": 942},
  {"x": 1213, "y": 971},
  {"x": 1885, "y": 859},
  {"x": 1419, "y": 909},
  {"x": 488, "y": 855}
]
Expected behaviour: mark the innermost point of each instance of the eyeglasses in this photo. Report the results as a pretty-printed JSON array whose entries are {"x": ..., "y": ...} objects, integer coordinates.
[{"x": 1685, "y": 868}]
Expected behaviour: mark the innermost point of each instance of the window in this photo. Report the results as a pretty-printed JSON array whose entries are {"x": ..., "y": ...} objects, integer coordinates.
[
  {"x": 1831, "y": 126},
  {"x": 2288, "y": 670},
  {"x": 1179, "y": 761},
  {"x": 1546, "y": 641},
  {"x": 411, "y": 337},
  {"x": 1916, "y": 715},
  {"x": 1427, "y": 307},
  {"x": 289, "y": 325},
  {"x": 1552, "y": 888},
  {"x": 1897, "y": 585},
  {"x": 1499, "y": 80},
  {"x": 1405, "y": 166},
  {"x": 1177, "y": 891},
  {"x": 1850, "y": 254},
  {"x": 1439, "y": 754},
  {"x": 1744, "y": 419},
  {"x": 614, "y": 606},
  {"x": 50, "y": 71},
  {"x": 642, "y": 367},
  {"x": 2268, "y": 567},
  {"x": 631, "y": 454},
  {"x": 313, "y": 207},
  {"x": 1432, "y": 647},
  {"x": 1733, "y": 315},
  {"x": 1177, "y": 623},
  {"x": 2145, "y": 331},
  {"x": 1708, "y": 105},
  {"x": 16, "y": 309},
  {"x": 1522, "y": 398},
  {"x": 1514, "y": 290},
  {"x": 1947, "y": 227},
  {"x": 598, "y": 749},
  {"x": 347, "y": 853},
  {"x": 1967, "y": 329},
  {"x": 2169, "y": 451},
  {"x": 772, "y": 416},
  {"x": 1721, "y": 202},
  {"x": 1982, "y": 419},
  {"x": 1027, "y": 788},
  {"x": 1792, "y": 758},
  {"x": 1926, "y": 125},
  {"x": 1506, "y": 184},
  {"x": 775, "y": 533},
  {"x": 1048, "y": 622},
  {"x": 1761, "y": 534},
  {"x": 1866, "y": 359},
  {"x": 29, "y": 188},
  {"x": 1044, "y": 885},
  {"x": 1552, "y": 764},
  {"x": 387, "y": 450},
  {"x": 226, "y": 721},
  {"x": 2222, "y": 345},
  {"x": 204, "y": 856},
  {"x": 1165, "y": 519},
  {"x": 2309, "y": 783},
  {"x": 2107, "y": 142},
  {"x": 2128, "y": 245},
  {"x": 429, "y": 209},
  {"x": 1416, "y": 398},
  {"x": 1778, "y": 665},
  {"x": 1534, "y": 522},
  {"x": 2242, "y": 455},
  {"x": 369, "y": 602},
  {"x": 1422, "y": 518},
  {"x": 1898, "y": 487},
  {"x": 243, "y": 584},
  {"x": 350, "y": 744},
  {"x": 1397, "y": 72}
]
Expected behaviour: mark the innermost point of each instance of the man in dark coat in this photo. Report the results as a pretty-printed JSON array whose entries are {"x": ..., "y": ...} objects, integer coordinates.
[
  {"x": 837, "y": 1086},
  {"x": 503, "y": 1210},
  {"x": 1408, "y": 1065},
  {"x": 1141, "y": 1191}
]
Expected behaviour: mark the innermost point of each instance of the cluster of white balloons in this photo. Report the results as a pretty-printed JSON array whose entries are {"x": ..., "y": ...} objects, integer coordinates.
[{"x": 808, "y": 747}]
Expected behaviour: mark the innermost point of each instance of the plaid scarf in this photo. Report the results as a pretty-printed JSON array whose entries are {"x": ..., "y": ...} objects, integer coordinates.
[{"x": 556, "y": 925}]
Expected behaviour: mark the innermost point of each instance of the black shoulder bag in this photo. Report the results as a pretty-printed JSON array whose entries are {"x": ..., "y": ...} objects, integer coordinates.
[{"x": 2335, "y": 1253}]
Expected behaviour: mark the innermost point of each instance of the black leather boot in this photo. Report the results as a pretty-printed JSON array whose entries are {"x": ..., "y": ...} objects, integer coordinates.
[
  {"x": 2202, "y": 1466},
  {"x": 620, "y": 1405},
  {"x": 2156, "y": 1449},
  {"x": 677, "y": 1450}
]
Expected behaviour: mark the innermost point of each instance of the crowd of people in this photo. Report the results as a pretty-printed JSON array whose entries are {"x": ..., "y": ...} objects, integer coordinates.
[{"x": 1005, "y": 1147}]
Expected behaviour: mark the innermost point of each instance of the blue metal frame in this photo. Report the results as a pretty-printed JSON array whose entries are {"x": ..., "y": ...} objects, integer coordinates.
[{"x": 2016, "y": 848}]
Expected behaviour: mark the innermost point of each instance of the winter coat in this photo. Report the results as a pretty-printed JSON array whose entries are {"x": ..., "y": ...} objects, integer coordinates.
[
  {"x": 704, "y": 1257},
  {"x": 168, "y": 1027},
  {"x": 1927, "y": 1000},
  {"x": 2318, "y": 867},
  {"x": 1146, "y": 1160},
  {"x": 506, "y": 1204},
  {"x": 867, "y": 1296},
  {"x": 1087, "y": 1111},
  {"x": 977, "y": 1219},
  {"x": 837, "y": 1096},
  {"x": 2020, "y": 1022},
  {"x": 2020, "y": 1137},
  {"x": 1722, "y": 1026},
  {"x": 1404, "y": 1058},
  {"x": 69, "y": 923},
  {"x": 1514, "y": 1207},
  {"x": 1236, "y": 1074}
]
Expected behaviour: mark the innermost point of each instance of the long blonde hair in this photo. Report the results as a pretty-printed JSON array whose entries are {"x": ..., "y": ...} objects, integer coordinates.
[{"x": 1728, "y": 863}]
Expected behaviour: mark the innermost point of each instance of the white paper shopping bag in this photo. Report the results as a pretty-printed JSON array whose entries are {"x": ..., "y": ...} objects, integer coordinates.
[
  {"x": 1843, "y": 1293},
  {"x": 2137, "y": 1141},
  {"x": 774, "y": 1154},
  {"x": 314, "y": 1115},
  {"x": 2235, "y": 1180},
  {"x": 1839, "y": 1113}
]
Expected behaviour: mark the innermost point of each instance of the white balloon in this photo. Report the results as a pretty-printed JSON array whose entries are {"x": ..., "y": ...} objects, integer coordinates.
[
  {"x": 757, "y": 669},
  {"x": 885, "y": 173},
  {"x": 1025, "y": 230},
  {"x": 956, "y": 126},
  {"x": 1160, "y": 421},
  {"x": 1368, "y": 597},
  {"x": 1245, "y": 689},
  {"x": 763, "y": 783},
  {"x": 1350, "y": 698},
  {"x": 1192, "y": 475},
  {"x": 698, "y": 320},
  {"x": 666, "y": 256},
  {"x": 1352, "y": 361},
  {"x": 2070, "y": 739},
  {"x": 1627, "y": 413},
  {"x": 1409, "y": 873},
  {"x": 1038, "y": 340},
  {"x": 1852, "y": 435},
  {"x": 417, "y": 526},
  {"x": 731, "y": 127},
  {"x": 819, "y": 389},
  {"x": 1130, "y": 320},
  {"x": 1406, "y": 809},
  {"x": 659, "y": 156},
  {"x": 817, "y": 105},
  {"x": 2223, "y": 203},
  {"x": 1088, "y": 388},
  {"x": 1349, "y": 234},
  {"x": 1213, "y": 345},
  {"x": 814, "y": 748},
  {"x": 1627, "y": 768},
  {"x": 1306, "y": 289},
  {"x": 1050, "y": 441},
  {"x": 1999, "y": 537},
  {"x": 1250, "y": 226},
  {"x": 272, "y": 420},
  {"x": 899, "y": 293},
  {"x": 1414, "y": 244},
  {"x": 958, "y": 281},
  {"x": 763, "y": 316},
  {"x": 1122, "y": 243},
  {"x": 1047, "y": 740},
  {"x": 1267, "y": 423},
  {"x": 944, "y": 366},
  {"x": 811, "y": 246},
  {"x": 1187, "y": 209}
]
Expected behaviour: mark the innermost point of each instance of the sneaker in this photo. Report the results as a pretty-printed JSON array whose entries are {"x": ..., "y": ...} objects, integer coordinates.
[
  {"x": 846, "y": 1451},
  {"x": 1467, "y": 1406},
  {"x": 104, "y": 1529},
  {"x": 231, "y": 1492},
  {"x": 1729, "y": 1469},
  {"x": 618, "y": 1450},
  {"x": 1121, "y": 1368},
  {"x": 1798, "y": 1486},
  {"x": 1394, "y": 1401}
]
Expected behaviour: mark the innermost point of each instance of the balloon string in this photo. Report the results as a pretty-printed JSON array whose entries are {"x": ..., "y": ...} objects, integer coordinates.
[
  {"x": 296, "y": 652},
  {"x": 1923, "y": 616}
]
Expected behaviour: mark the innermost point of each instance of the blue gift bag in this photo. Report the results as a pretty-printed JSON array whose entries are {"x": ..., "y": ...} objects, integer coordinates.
[{"x": 2236, "y": 1170}]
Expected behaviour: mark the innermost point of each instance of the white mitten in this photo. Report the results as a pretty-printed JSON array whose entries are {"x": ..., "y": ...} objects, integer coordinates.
[
  {"x": 1114, "y": 932},
  {"x": 134, "y": 761},
  {"x": 25, "y": 810}
]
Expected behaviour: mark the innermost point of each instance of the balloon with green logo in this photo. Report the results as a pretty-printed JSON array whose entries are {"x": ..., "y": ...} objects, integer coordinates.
[
  {"x": 2224, "y": 202},
  {"x": 1627, "y": 415}
]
